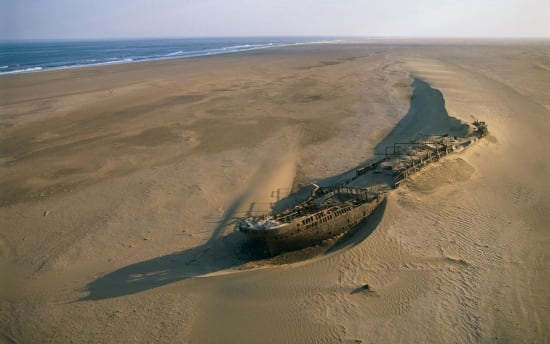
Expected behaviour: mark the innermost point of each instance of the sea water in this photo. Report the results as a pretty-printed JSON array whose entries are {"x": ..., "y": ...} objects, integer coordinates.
[{"x": 34, "y": 56}]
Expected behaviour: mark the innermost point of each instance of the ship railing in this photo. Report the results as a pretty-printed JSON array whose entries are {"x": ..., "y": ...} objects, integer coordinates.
[{"x": 361, "y": 193}]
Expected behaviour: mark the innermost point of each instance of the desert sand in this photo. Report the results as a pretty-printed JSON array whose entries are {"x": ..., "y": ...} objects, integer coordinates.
[{"x": 120, "y": 186}]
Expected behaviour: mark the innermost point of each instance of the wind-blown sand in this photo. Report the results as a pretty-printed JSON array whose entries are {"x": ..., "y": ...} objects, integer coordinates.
[{"x": 119, "y": 187}]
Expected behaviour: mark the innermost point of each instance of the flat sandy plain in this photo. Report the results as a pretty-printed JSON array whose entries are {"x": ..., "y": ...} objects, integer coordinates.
[{"x": 119, "y": 187}]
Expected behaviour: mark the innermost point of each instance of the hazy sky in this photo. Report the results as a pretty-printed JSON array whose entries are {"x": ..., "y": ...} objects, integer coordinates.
[{"x": 27, "y": 19}]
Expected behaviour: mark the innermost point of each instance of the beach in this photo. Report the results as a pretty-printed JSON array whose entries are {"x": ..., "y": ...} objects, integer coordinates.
[{"x": 120, "y": 187}]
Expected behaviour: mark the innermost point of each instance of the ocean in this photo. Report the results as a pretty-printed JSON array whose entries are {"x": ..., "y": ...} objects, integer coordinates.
[{"x": 35, "y": 56}]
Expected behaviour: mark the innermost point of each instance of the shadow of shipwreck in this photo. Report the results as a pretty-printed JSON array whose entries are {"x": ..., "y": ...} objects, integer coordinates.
[
  {"x": 361, "y": 232},
  {"x": 427, "y": 115},
  {"x": 229, "y": 251}
]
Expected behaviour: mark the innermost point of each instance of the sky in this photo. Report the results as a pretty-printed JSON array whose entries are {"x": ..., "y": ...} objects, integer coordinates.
[{"x": 98, "y": 19}]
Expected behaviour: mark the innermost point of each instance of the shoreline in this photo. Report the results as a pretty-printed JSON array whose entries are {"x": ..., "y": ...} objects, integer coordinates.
[
  {"x": 180, "y": 54},
  {"x": 437, "y": 41}
]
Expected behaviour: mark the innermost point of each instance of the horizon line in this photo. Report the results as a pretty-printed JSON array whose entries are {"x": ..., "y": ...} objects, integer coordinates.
[{"x": 347, "y": 37}]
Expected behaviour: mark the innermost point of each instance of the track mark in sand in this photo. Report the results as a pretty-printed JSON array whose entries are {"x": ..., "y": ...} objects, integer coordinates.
[{"x": 4, "y": 338}]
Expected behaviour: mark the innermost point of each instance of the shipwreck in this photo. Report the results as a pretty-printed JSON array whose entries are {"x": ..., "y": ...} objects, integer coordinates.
[{"x": 330, "y": 211}]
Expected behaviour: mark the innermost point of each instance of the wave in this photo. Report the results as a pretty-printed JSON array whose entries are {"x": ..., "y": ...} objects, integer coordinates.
[
  {"x": 144, "y": 54},
  {"x": 112, "y": 61},
  {"x": 95, "y": 64},
  {"x": 79, "y": 65},
  {"x": 248, "y": 46},
  {"x": 175, "y": 53},
  {"x": 25, "y": 70}
]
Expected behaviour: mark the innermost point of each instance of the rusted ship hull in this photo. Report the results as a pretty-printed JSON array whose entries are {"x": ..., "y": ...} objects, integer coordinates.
[{"x": 314, "y": 228}]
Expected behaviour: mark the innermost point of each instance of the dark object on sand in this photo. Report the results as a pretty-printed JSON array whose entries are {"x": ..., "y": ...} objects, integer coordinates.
[
  {"x": 327, "y": 212},
  {"x": 362, "y": 288}
]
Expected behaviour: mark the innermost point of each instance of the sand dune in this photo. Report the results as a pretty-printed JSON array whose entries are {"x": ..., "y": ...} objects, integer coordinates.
[{"x": 120, "y": 186}]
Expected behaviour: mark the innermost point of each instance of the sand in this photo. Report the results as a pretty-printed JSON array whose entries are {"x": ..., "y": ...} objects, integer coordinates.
[{"x": 120, "y": 185}]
